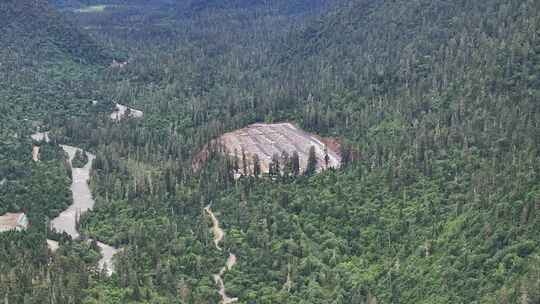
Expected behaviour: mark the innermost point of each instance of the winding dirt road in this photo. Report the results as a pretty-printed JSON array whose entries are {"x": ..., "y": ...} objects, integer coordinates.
[
  {"x": 231, "y": 261},
  {"x": 82, "y": 202}
]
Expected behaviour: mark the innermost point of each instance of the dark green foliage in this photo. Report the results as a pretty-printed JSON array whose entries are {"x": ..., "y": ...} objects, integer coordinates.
[
  {"x": 311, "y": 167},
  {"x": 39, "y": 188},
  {"x": 274, "y": 169},
  {"x": 28, "y": 274},
  {"x": 295, "y": 164},
  {"x": 49, "y": 67},
  {"x": 437, "y": 107},
  {"x": 80, "y": 159},
  {"x": 39, "y": 34},
  {"x": 256, "y": 165}
]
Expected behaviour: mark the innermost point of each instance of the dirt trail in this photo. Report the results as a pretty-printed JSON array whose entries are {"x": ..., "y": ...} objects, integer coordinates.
[
  {"x": 53, "y": 245},
  {"x": 82, "y": 202},
  {"x": 216, "y": 230},
  {"x": 106, "y": 261},
  {"x": 35, "y": 153},
  {"x": 231, "y": 261},
  {"x": 288, "y": 283}
]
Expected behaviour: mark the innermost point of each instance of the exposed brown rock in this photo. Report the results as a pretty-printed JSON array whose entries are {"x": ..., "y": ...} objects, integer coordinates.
[
  {"x": 265, "y": 140},
  {"x": 13, "y": 221}
]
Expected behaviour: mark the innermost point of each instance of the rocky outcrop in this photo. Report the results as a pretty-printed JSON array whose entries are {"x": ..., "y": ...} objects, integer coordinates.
[
  {"x": 267, "y": 140},
  {"x": 122, "y": 111}
]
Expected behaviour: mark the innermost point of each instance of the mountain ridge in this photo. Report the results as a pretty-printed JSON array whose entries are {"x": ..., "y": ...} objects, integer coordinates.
[{"x": 33, "y": 28}]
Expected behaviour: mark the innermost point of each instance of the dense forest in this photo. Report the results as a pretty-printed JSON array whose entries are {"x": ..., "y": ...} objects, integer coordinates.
[{"x": 435, "y": 104}]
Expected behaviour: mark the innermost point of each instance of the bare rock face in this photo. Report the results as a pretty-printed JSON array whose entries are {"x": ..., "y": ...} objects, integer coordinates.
[
  {"x": 118, "y": 64},
  {"x": 35, "y": 153},
  {"x": 41, "y": 136},
  {"x": 122, "y": 111},
  {"x": 266, "y": 140}
]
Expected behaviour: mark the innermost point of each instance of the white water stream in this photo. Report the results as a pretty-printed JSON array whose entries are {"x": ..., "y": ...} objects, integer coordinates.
[
  {"x": 231, "y": 261},
  {"x": 82, "y": 202}
]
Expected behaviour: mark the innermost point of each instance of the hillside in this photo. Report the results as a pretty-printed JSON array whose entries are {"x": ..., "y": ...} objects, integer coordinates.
[
  {"x": 48, "y": 72},
  {"x": 49, "y": 67},
  {"x": 35, "y": 33},
  {"x": 456, "y": 66},
  {"x": 440, "y": 99},
  {"x": 197, "y": 6}
]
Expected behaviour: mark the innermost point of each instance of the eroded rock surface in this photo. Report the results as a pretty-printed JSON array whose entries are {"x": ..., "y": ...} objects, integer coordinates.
[
  {"x": 265, "y": 140},
  {"x": 121, "y": 111},
  {"x": 41, "y": 136}
]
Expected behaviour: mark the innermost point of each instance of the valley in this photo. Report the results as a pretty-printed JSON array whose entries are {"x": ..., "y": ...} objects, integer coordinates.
[{"x": 238, "y": 151}]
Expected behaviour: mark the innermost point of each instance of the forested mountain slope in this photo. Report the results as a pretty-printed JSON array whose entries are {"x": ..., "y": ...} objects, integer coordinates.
[
  {"x": 48, "y": 64},
  {"x": 444, "y": 93},
  {"x": 439, "y": 99},
  {"x": 47, "y": 71},
  {"x": 33, "y": 32},
  {"x": 426, "y": 69},
  {"x": 195, "y": 6}
]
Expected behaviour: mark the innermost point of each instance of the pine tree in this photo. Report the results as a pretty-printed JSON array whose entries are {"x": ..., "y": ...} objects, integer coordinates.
[
  {"x": 256, "y": 165},
  {"x": 285, "y": 161},
  {"x": 244, "y": 162},
  {"x": 326, "y": 157},
  {"x": 311, "y": 167},
  {"x": 235, "y": 161},
  {"x": 345, "y": 155},
  {"x": 274, "y": 165},
  {"x": 295, "y": 164}
]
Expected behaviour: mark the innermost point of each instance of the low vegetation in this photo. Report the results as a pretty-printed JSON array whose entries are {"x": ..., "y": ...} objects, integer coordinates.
[{"x": 80, "y": 159}]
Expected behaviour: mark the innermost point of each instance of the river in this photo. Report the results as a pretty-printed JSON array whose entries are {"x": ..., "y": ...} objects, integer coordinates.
[{"x": 82, "y": 202}]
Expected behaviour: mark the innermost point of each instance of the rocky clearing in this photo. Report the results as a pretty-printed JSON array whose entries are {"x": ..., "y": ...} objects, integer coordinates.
[
  {"x": 122, "y": 111},
  {"x": 265, "y": 140}
]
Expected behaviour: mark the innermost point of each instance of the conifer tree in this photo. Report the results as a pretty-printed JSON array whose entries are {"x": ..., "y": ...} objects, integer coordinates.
[
  {"x": 326, "y": 157},
  {"x": 274, "y": 169},
  {"x": 286, "y": 164},
  {"x": 244, "y": 162},
  {"x": 311, "y": 167},
  {"x": 256, "y": 165},
  {"x": 295, "y": 164},
  {"x": 235, "y": 161}
]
